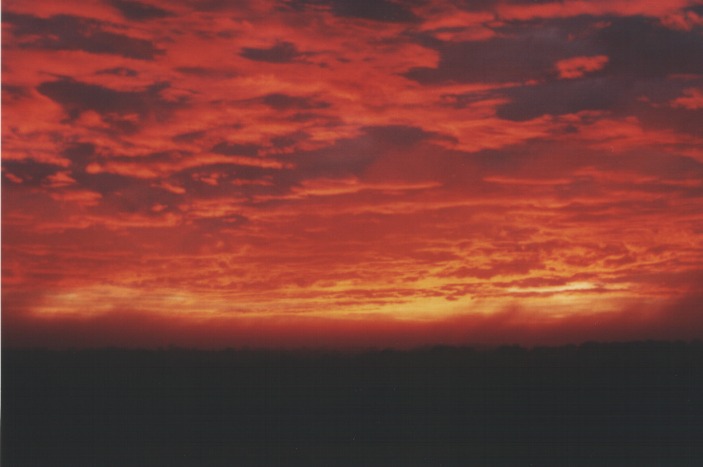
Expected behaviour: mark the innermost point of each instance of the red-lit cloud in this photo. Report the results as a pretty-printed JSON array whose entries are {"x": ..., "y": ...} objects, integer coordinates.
[
  {"x": 381, "y": 172},
  {"x": 576, "y": 67}
]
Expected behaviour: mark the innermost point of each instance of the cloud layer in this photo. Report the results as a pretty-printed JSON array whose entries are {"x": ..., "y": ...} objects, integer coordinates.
[{"x": 400, "y": 163}]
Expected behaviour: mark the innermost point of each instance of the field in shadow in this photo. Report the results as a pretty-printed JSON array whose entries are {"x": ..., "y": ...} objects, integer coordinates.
[{"x": 637, "y": 403}]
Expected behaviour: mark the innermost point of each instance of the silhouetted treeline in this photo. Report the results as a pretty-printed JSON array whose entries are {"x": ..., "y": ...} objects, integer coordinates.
[{"x": 594, "y": 404}]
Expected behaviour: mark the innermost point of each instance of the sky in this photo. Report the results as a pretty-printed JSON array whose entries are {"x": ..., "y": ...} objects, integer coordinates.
[{"x": 286, "y": 173}]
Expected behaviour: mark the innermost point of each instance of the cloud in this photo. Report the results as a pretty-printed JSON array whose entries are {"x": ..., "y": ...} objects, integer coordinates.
[
  {"x": 528, "y": 10},
  {"x": 64, "y": 32},
  {"x": 76, "y": 98},
  {"x": 691, "y": 100},
  {"x": 139, "y": 11},
  {"x": 564, "y": 97},
  {"x": 651, "y": 102},
  {"x": 684, "y": 21},
  {"x": 279, "y": 101},
  {"x": 577, "y": 67},
  {"x": 281, "y": 52},
  {"x": 105, "y": 183},
  {"x": 398, "y": 163},
  {"x": 165, "y": 164},
  {"x": 521, "y": 54},
  {"x": 28, "y": 172},
  {"x": 639, "y": 49},
  {"x": 611, "y": 66},
  {"x": 236, "y": 149},
  {"x": 375, "y": 10}
]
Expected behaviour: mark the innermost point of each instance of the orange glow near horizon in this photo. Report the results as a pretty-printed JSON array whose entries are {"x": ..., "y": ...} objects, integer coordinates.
[{"x": 288, "y": 173}]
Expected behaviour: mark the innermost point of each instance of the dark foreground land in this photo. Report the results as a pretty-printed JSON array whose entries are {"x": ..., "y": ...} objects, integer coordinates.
[{"x": 593, "y": 405}]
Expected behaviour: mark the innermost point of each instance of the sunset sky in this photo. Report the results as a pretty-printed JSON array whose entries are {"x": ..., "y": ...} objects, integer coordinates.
[{"x": 351, "y": 172}]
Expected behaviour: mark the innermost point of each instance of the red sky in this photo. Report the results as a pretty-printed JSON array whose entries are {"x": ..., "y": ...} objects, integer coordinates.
[{"x": 351, "y": 172}]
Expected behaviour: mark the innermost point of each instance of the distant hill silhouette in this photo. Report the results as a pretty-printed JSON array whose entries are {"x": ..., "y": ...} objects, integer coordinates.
[{"x": 638, "y": 403}]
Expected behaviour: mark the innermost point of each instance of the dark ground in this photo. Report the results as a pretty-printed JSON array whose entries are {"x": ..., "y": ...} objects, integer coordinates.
[{"x": 592, "y": 405}]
